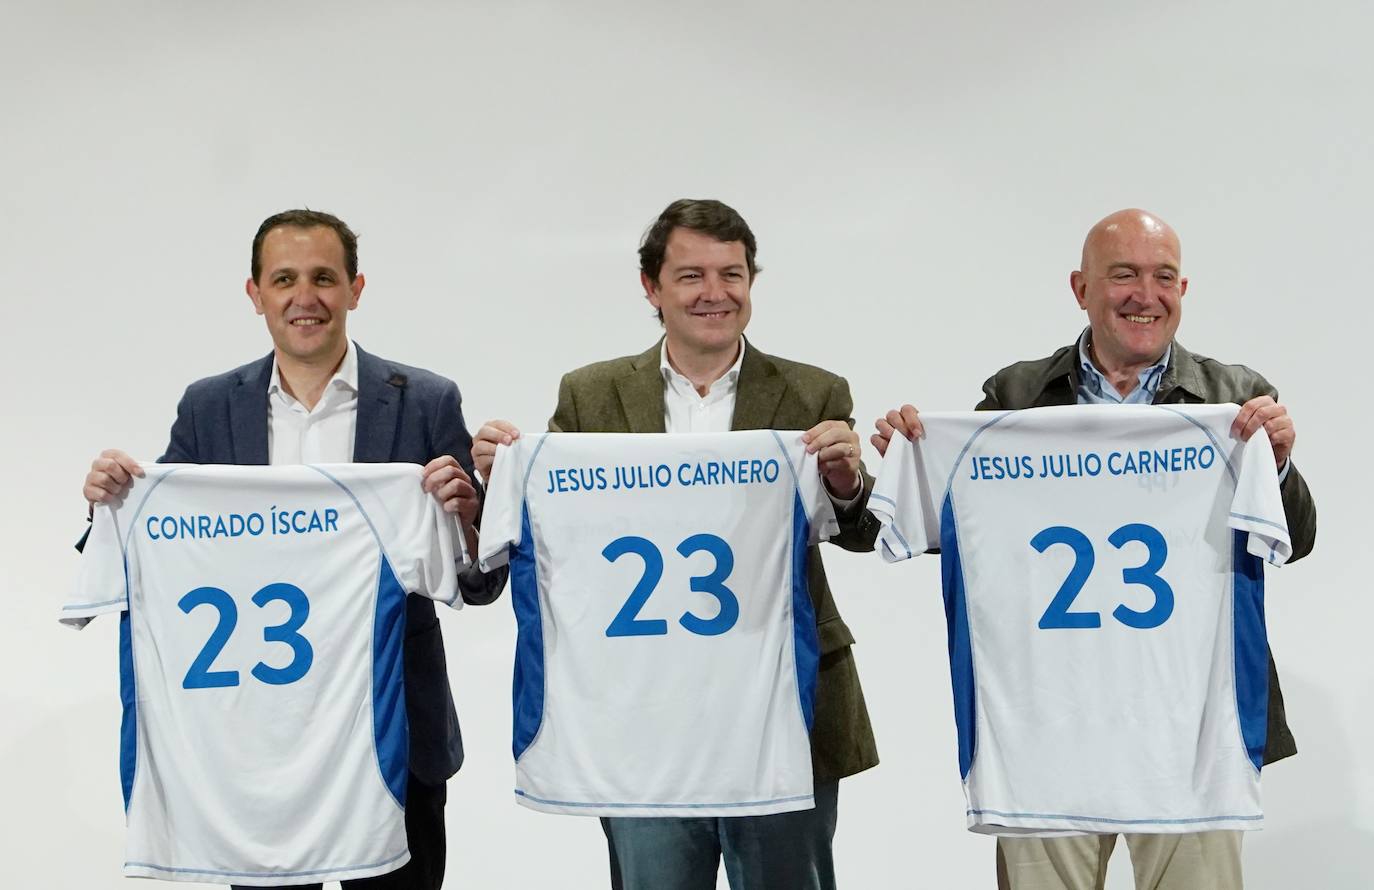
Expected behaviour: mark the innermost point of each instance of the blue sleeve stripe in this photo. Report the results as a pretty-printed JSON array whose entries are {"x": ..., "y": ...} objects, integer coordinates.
[
  {"x": 1278, "y": 525},
  {"x": 874, "y": 496},
  {"x": 529, "y": 468},
  {"x": 906, "y": 545}
]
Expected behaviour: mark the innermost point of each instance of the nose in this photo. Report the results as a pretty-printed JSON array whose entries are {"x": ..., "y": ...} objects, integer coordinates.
[{"x": 714, "y": 288}]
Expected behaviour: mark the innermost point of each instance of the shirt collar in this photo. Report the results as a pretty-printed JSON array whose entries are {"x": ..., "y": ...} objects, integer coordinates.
[
  {"x": 1098, "y": 382},
  {"x": 670, "y": 374},
  {"x": 346, "y": 377}
]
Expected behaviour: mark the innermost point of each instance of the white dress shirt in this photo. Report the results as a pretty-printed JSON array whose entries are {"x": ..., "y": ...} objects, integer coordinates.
[
  {"x": 687, "y": 411},
  {"x": 322, "y": 435}
]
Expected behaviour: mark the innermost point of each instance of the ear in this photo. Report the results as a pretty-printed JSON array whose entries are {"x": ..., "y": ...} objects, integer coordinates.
[
  {"x": 357, "y": 287},
  {"x": 1182, "y": 287},
  {"x": 1079, "y": 283},
  {"x": 251, "y": 288},
  {"x": 650, "y": 290}
]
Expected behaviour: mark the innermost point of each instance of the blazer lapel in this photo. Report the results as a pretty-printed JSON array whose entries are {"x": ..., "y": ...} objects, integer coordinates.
[
  {"x": 759, "y": 392},
  {"x": 380, "y": 388},
  {"x": 248, "y": 414},
  {"x": 641, "y": 393}
]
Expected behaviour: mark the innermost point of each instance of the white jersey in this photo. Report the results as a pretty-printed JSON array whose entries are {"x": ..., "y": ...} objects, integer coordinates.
[
  {"x": 1104, "y": 593},
  {"x": 667, "y": 652},
  {"x": 264, "y": 735}
]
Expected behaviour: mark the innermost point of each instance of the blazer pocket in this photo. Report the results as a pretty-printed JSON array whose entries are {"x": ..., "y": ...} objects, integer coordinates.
[{"x": 834, "y": 635}]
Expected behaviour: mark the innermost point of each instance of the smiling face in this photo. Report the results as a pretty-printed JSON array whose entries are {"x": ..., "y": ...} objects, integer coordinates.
[
  {"x": 1131, "y": 287},
  {"x": 304, "y": 293},
  {"x": 702, "y": 291}
]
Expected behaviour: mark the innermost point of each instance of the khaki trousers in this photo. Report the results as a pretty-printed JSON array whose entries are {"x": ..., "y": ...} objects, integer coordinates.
[{"x": 1204, "y": 860}]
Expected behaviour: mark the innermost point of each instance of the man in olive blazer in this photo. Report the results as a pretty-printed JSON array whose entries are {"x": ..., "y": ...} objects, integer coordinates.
[
  {"x": 625, "y": 395},
  {"x": 696, "y": 267}
]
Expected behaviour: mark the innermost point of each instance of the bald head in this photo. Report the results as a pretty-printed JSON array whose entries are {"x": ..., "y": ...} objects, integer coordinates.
[
  {"x": 1126, "y": 225},
  {"x": 1131, "y": 287}
]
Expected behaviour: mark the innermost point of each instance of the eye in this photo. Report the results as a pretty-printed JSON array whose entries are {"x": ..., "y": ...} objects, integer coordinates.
[
  {"x": 688, "y": 276},
  {"x": 324, "y": 279},
  {"x": 282, "y": 280},
  {"x": 1166, "y": 277},
  {"x": 1123, "y": 275}
]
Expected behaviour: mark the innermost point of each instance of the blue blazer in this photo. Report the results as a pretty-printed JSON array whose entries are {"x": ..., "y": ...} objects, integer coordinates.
[{"x": 404, "y": 414}]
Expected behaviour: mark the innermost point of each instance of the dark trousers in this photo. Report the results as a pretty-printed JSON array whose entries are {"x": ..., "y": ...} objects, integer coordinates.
[
  {"x": 424, "y": 835},
  {"x": 784, "y": 851}
]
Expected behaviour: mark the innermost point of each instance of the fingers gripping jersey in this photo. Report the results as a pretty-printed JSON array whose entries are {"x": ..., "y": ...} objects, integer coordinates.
[
  {"x": 264, "y": 733},
  {"x": 667, "y": 651},
  {"x": 1104, "y": 596}
]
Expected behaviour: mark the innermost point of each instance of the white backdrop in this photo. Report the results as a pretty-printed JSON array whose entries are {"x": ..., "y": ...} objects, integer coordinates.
[{"x": 920, "y": 177}]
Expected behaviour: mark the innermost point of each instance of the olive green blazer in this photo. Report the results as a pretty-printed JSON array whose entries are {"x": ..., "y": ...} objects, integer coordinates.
[{"x": 625, "y": 395}]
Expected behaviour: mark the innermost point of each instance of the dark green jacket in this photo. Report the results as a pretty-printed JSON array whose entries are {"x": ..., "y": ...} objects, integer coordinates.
[
  {"x": 625, "y": 395},
  {"x": 1188, "y": 379}
]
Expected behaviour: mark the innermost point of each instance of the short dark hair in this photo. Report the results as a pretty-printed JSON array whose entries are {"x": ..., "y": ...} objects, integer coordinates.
[
  {"x": 709, "y": 217},
  {"x": 308, "y": 219}
]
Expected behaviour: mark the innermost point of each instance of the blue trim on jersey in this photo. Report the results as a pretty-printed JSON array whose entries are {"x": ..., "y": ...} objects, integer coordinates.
[
  {"x": 1248, "y": 518},
  {"x": 77, "y": 606},
  {"x": 960, "y": 645},
  {"x": 390, "y": 731},
  {"x": 133, "y": 522},
  {"x": 529, "y": 468},
  {"x": 128, "y": 700},
  {"x": 264, "y": 874},
  {"x": 1251, "y": 647},
  {"x": 949, "y": 483},
  {"x": 874, "y": 496},
  {"x": 527, "y": 694},
  {"x": 1107, "y": 821},
  {"x": 787, "y": 459},
  {"x": 1221, "y": 452},
  {"x": 664, "y": 806},
  {"x": 806, "y": 639}
]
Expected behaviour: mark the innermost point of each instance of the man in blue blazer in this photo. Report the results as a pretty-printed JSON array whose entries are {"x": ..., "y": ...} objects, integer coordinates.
[{"x": 318, "y": 398}]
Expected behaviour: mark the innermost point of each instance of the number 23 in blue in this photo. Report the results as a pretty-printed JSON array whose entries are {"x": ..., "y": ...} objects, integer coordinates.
[
  {"x": 199, "y": 676},
  {"x": 1057, "y": 616},
  {"x": 627, "y": 623}
]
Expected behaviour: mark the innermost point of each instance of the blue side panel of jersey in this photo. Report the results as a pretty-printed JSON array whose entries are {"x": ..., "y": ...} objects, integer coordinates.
[
  {"x": 1251, "y": 647},
  {"x": 128, "y": 721},
  {"x": 528, "y": 692},
  {"x": 390, "y": 732},
  {"x": 806, "y": 641},
  {"x": 960, "y": 647}
]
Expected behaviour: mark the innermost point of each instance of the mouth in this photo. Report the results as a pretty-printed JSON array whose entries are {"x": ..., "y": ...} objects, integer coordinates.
[
  {"x": 305, "y": 322},
  {"x": 1140, "y": 319},
  {"x": 713, "y": 314}
]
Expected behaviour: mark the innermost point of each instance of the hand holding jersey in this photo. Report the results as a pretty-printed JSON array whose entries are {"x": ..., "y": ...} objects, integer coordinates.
[
  {"x": 667, "y": 652},
  {"x": 1105, "y": 605},
  {"x": 264, "y": 736}
]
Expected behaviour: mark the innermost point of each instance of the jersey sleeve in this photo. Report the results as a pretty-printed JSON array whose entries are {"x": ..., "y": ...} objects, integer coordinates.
[
  {"x": 503, "y": 512},
  {"x": 1257, "y": 507},
  {"x": 820, "y": 510},
  {"x": 424, "y": 544},
  {"x": 903, "y": 503},
  {"x": 102, "y": 583}
]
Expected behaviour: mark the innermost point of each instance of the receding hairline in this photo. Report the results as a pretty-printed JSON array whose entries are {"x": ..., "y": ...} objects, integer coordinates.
[{"x": 1114, "y": 222}]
